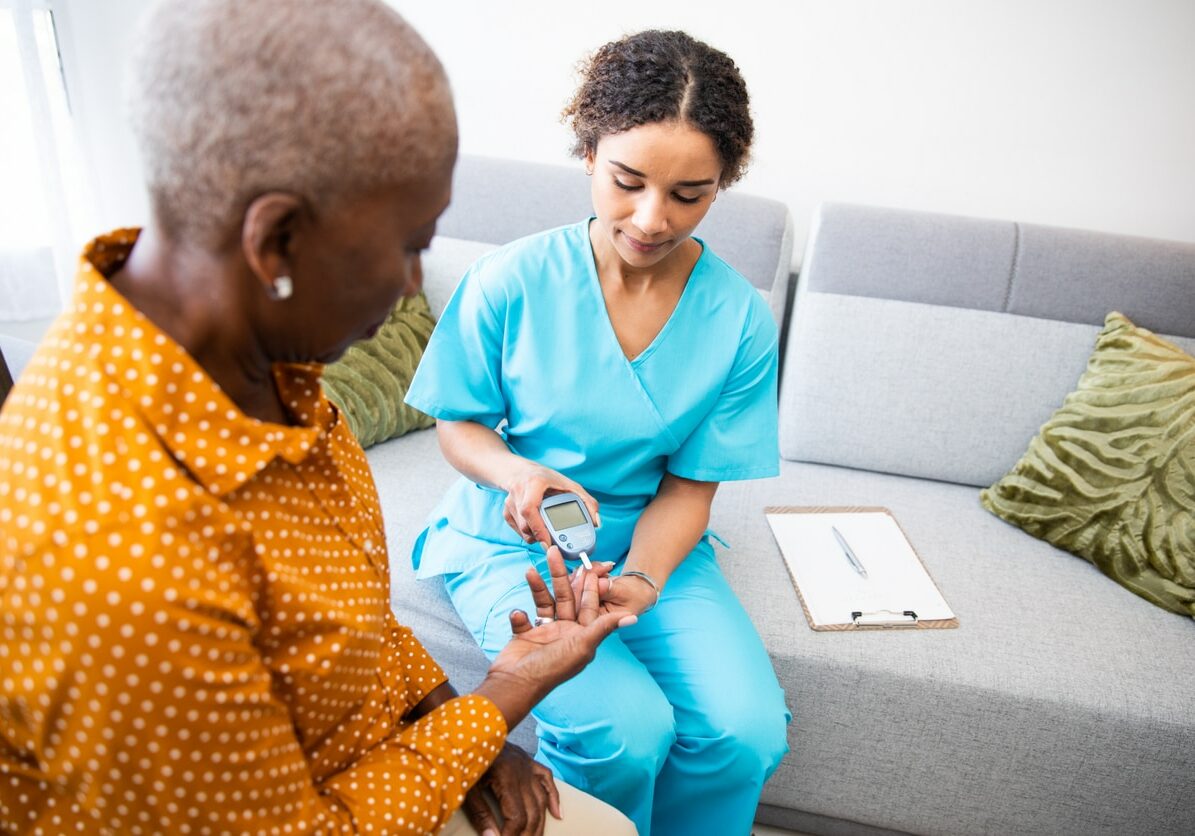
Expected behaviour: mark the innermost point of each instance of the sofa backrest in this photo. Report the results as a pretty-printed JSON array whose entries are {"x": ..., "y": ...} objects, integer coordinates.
[
  {"x": 496, "y": 201},
  {"x": 936, "y": 346}
]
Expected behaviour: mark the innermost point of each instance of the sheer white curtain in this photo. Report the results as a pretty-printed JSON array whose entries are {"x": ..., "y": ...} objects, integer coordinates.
[{"x": 43, "y": 194}]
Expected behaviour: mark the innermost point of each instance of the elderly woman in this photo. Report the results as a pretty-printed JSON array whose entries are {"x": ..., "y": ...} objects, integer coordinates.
[{"x": 196, "y": 633}]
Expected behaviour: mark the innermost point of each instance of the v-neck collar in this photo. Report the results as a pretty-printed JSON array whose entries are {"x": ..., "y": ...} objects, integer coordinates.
[{"x": 596, "y": 284}]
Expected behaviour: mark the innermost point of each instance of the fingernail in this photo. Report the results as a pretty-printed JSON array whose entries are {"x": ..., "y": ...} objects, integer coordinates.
[{"x": 489, "y": 831}]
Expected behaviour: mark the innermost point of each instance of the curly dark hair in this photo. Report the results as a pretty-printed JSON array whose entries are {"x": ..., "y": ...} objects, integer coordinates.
[{"x": 660, "y": 76}]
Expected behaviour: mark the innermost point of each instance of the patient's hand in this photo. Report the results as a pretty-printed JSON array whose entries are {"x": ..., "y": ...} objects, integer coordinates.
[
  {"x": 541, "y": 656},
  {"x": 525, "y": 791}
]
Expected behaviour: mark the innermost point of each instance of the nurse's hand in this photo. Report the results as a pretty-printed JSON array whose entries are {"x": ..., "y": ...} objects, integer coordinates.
[
  {"x": 526, "y": 489},
  {"x": 563, "y": 640},
  {"x": 627, "y": 596},
  {"x": 601, "y": 569}
]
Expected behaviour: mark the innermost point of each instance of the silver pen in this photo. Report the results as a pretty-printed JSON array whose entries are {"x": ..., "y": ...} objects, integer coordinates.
[{"x": 849, "y": 552}]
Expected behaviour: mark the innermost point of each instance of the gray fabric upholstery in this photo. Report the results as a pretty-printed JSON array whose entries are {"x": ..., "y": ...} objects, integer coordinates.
[
  {"x": 930, "y": 391},
  {"x": 913, "y": 256},
  {"x": 497, "y": 201},
  {"x": 1079, "y": 276},
  {"x": 1064, "y": 274},
  {"x": 1061, "y": 705}
]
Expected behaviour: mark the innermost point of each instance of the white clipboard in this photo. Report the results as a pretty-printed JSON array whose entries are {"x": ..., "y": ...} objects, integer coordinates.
[{"x": 898, "y": 591}]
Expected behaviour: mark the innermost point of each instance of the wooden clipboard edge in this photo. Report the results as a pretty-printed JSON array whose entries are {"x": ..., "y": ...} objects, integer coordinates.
[{"x": 927, "y": 624}]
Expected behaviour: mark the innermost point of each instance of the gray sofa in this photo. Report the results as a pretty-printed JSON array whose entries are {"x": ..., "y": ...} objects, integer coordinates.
[{"x": 920, "y": 354}]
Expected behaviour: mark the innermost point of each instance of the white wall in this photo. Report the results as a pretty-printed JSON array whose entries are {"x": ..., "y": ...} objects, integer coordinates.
[{"x": 1070, "y": 112}]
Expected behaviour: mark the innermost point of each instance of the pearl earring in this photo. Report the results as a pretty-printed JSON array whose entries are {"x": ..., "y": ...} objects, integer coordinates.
[{"x": 283, "y": 288}]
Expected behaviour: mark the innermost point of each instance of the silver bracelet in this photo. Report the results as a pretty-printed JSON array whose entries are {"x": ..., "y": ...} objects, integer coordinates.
[{"x": 650, "y": 582}]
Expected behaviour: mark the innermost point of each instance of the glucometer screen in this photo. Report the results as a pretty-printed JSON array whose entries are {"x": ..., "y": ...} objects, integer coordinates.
[{"x": 565, "y": 515}]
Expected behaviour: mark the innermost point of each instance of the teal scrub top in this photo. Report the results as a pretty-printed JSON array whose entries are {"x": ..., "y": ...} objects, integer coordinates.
[{"x": 525, "y": 346}]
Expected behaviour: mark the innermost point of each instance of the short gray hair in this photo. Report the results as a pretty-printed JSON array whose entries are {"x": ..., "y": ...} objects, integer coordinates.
[{"x": 230, "y": 99}]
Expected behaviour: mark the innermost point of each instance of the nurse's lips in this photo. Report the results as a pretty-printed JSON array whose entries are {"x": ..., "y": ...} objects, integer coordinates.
[{"x": 641, "y": 246}]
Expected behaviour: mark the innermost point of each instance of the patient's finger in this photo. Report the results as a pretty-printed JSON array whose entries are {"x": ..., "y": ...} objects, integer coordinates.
[
  {"x": 519, "y": 622},
  {"x": 545, "y": 606},
  {"x": 566, "y": 609},
  {"x": 587, "y": 610}
]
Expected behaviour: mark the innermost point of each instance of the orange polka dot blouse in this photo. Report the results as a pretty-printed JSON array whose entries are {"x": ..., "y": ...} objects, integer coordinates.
[{"x": 195, "y": 627}]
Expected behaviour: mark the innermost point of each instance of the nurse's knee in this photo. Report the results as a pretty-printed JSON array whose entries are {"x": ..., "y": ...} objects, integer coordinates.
[
  {"x": 753, "y": 736},
  {"x": 641, "y": 731},
  {"x": 630, "y": 743}
]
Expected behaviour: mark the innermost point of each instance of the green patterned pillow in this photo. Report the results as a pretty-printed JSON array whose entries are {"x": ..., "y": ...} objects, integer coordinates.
[
  {"x": 369, "y": 382},
  {"x": 1111, "y": 476}
]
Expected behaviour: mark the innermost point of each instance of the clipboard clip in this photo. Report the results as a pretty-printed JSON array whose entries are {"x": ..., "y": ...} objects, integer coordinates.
[{"x": 884, "y": 618}]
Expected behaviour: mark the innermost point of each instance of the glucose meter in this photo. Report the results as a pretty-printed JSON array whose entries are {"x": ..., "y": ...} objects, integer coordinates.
[{"x": 570, "y": 525}]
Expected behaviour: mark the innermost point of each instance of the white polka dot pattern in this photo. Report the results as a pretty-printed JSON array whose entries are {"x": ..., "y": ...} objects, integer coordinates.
[{"x": 195, "y": 630}]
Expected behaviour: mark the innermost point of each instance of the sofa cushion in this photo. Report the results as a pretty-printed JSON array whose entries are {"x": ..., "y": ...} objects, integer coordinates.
[
  {"x": 1111, "y": 475},
  {"x": 937, "y": 392},
  {"x": 369, "y": 382},
  {"x": 924, "y": 390},
  {"x": 1060, "y": 705}
]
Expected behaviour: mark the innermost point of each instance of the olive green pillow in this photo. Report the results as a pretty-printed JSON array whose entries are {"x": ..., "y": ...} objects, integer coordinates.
[
  {"x": 1111, "y": 476},
  {"x": 369, "y": 382}
]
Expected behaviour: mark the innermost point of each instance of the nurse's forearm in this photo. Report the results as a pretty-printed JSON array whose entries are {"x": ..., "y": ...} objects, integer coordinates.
[
  {"x": 478, "y": 453},
  {"x": 670, "y": 526}
]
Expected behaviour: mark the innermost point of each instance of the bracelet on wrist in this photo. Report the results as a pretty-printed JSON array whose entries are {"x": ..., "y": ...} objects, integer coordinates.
[{"x": 646, "y": 578}]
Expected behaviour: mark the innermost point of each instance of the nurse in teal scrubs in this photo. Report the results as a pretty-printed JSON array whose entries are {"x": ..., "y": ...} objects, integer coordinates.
[{"x": 621, "y": 359}]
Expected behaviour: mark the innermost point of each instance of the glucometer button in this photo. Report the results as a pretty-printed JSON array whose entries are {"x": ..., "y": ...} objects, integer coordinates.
[{"x": 562, "y": 539}]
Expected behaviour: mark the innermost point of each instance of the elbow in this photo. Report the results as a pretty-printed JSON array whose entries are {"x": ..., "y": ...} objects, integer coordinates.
[{"x": 448, "y": 435}]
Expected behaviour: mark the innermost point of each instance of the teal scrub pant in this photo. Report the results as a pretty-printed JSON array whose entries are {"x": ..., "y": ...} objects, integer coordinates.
[{"x": 679, "y": 719}]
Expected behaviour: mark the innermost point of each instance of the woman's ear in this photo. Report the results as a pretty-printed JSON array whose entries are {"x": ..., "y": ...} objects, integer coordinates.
[
  {"x": 266, "y": 240},
  {"x": 590, "y": 159}
]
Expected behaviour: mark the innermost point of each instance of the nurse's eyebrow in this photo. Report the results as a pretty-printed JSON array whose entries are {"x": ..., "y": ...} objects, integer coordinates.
[{"x": 689, "y": 183}]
